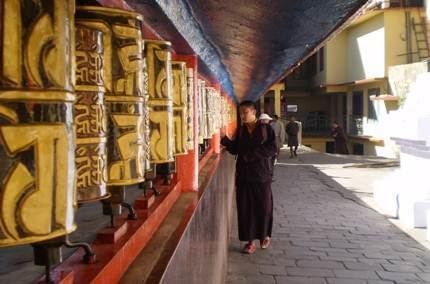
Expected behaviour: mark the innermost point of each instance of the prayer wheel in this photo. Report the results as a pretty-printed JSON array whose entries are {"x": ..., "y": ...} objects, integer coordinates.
[
  {"x": 90, "y": 116},
  {"x": 210, "y": 112},
  {"x": 190, "y": 107},
  {"x": 123, "y": 84},
  {"x": 218, "y": 111},
  {"x": 150, "y": 169},
  {"x": 37, "y": 193},
  {"x": 160, "y": 89},
  {"x": 202, "y": 112},
  {"x": 180, "y": 105}
]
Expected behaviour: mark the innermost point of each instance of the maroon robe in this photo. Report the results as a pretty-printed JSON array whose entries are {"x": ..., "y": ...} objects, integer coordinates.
[
  {"x": 253, "y": 180},
  {"x": 339, "y": 140},
  {"x": 292, "y": 130}
]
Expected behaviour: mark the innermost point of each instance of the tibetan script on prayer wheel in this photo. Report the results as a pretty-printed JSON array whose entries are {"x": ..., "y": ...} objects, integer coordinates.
[
  {"x": 123, "y": 83},
  {"x": 37, "y": 193},
  {"x": 160, "y": 90},
  {"x": 90, "y": 116}
]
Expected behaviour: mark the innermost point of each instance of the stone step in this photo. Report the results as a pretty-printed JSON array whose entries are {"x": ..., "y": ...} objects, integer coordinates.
[
  {"x": 415, "y": 152},
  {"x": 409, "y": 142}
]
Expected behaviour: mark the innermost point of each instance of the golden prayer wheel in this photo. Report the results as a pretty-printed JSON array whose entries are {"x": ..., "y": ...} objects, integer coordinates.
[
  {"x": 37, "y": 193},
  {"x": 202, "y": 111},
  {"x": 150, "y": 169},
  {"x": 190, "y": 107},
  {"x": 180, "y": 104},
  {"x": 123, "y": 83},
  {"x": 210, "y": 112},
  {"x": 160, "y": 90},
  {"x": 217, "y": 114},
  {"x": 90, "y": 116}
]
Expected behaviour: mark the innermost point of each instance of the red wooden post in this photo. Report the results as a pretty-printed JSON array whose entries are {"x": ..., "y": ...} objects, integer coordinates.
[{"x": 188, "y": 165}]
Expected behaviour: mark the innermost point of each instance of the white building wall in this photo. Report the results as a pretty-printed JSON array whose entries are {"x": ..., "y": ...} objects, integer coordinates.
[
  {"x": 366, "y": 50},
  {"x": 406, "y": 194}
]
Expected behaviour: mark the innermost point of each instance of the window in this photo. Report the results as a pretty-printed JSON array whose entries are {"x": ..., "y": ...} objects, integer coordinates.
[
  {"x": 321, "y": 58},
  {"x": 371, "y": 104},
  {"x": 357, "y": 149},
  {"x": 357, "y": 103},
  {"x": 301, "y": 72},
  {"x": 292, "y": 108},
  {"x": 313, "y": 65}
]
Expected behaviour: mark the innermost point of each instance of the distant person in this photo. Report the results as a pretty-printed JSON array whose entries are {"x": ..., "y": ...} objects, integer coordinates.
[
  {"x": 339, "y": 139},
  {"x": 264, "y": 118},
  {"x": 279, "y": 129},
  {"x": 254, "y": 146},
  {"x": 292, "y": 130}
]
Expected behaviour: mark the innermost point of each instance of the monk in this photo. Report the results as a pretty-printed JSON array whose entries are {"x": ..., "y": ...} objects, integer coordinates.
[
  {"x": 292, "y": 130},
  {"x": 254, "y": 145},
  {"x": 339, "y": 139}
]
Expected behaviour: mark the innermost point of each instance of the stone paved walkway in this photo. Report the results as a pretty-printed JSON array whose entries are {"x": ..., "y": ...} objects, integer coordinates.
[{"x": 324, "y": 234}]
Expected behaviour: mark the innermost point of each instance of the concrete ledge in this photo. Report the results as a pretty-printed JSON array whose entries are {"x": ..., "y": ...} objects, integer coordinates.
[
  {"x": 408, "y": 142},
  {"x": 415, "y": 151},
  {"x": 201, "y": 241},
  {"x": 371, "y": 139}
]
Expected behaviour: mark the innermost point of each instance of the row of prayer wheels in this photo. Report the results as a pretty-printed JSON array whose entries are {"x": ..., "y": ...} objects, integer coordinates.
[{"x": 86, "y": 105}]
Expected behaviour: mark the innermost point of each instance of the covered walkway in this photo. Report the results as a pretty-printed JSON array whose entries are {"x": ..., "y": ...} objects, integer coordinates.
[{"x": 325, "y": 233}]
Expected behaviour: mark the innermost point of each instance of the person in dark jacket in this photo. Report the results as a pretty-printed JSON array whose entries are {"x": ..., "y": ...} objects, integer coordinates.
[
  {"x": 292, "y": 130},
  {"x": 339, "y": 139},
  {"x": 254, "y": 146}
]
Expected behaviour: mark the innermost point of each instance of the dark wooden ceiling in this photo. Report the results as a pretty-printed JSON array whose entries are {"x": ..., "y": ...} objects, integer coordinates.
[{"x": 246, "y": 44}]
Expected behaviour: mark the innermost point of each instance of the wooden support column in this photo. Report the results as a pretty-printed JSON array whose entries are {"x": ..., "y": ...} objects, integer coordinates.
[
  {"x": 277, "y": 89},
  {"x": 188, "y": 165}
]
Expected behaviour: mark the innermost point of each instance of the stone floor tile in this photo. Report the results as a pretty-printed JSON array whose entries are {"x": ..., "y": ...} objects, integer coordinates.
[
  {"x": 355, "y": 274},
  {"x": 320, "y": 264},
  {"x": 354, "y": 265},
  {"x": 253, "y": 280},
  {"x": 299, "y": 280},
  {"x": 309, "y": 272},
  {"x": 424, "y": 276},
  {"x": 398, "y": 276},
  {"x": 272, "y": 269},
  {"x": 401, "y": 268},
  {"x": 345, "y": 281}
]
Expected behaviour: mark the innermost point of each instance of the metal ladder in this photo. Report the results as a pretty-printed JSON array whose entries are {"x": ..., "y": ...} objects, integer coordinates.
[{"x": 420, "y": 29}]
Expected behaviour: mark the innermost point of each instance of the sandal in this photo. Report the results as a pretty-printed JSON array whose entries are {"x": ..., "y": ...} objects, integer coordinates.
[
  {"x": 249, "y": 248},
  {"x": 265, "y": 243}
]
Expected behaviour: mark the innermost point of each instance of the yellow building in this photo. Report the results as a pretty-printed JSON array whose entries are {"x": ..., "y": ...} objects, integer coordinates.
[{"x": 347, "y": 79}]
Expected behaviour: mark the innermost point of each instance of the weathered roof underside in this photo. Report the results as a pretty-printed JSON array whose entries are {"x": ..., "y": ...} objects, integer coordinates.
[{"x": 247, "y": 45}]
